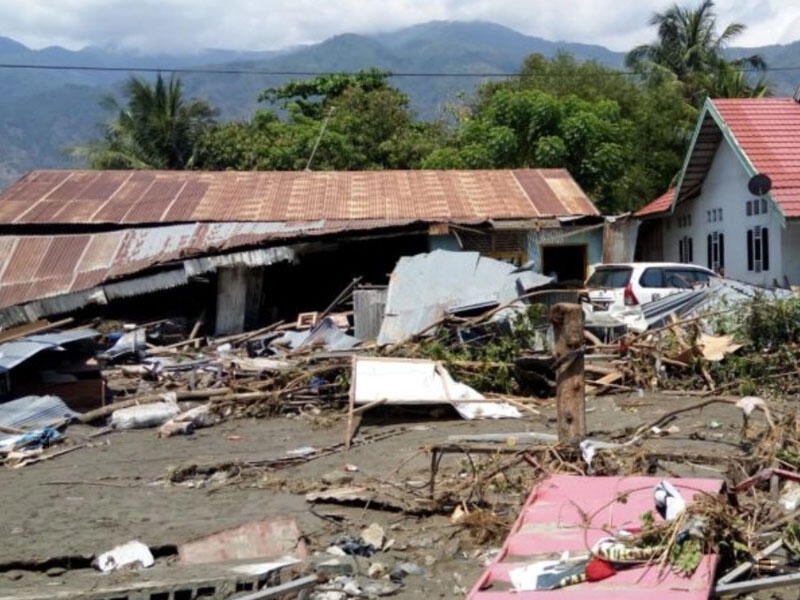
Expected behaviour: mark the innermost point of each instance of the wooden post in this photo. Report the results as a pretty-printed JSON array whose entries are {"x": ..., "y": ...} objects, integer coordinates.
[{"x": 567, "y": 321}]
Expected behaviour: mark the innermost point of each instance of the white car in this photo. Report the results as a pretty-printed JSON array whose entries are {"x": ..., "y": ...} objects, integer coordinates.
[{"x": 619, "y": 287}]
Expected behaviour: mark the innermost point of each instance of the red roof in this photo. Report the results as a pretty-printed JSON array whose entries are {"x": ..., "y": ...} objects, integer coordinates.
[
  {"x": 145, "y": 197},
  {"x": 657, "y": 206},
  {"x": 768, "y": 131}
]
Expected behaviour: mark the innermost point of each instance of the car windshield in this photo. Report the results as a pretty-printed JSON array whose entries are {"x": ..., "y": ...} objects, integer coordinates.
[{"x": 610, "y": 277}]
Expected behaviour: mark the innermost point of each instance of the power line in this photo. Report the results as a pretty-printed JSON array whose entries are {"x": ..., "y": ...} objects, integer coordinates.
[
  {"x": 204, "y": 71},
  {"x": 211, "y": 71}
]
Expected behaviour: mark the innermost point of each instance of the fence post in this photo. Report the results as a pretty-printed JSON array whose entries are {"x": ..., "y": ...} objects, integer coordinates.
[{"x": 567, "y": 321}]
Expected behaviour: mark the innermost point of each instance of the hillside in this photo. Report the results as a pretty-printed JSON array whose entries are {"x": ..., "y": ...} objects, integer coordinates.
[{"x": 42, "y": 111}]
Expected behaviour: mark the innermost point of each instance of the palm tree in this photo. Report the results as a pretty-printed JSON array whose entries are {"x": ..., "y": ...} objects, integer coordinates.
[
  {"x": 689, "y": 49},
  {"x": 155, "y": 128},
  {"x": 731, "y": 81}
]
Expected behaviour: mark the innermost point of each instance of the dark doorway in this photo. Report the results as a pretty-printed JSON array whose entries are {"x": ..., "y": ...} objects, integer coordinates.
[
  {"x": 567, "y": 263},
  {"x": 319, "y": 276}
]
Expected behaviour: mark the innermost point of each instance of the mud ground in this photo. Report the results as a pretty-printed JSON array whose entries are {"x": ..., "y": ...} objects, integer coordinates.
[{"x": 115, "y": 490}]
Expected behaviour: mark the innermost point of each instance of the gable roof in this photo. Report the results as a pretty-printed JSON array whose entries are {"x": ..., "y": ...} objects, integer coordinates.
[
  {"x": 146, "y": 197},
  {"x": 765, "y": 135}
]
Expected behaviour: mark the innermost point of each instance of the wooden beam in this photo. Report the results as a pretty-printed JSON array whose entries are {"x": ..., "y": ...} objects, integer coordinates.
[{"x": 567, "y": 321}]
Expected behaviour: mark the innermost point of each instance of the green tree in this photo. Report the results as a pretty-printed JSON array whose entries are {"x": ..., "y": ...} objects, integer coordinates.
[
  {"x": 621, "y": 141},
  {"x": 689, "y": 49},
  {"x": 340, "y": 121},
  {"x": 155, "y": 127}
]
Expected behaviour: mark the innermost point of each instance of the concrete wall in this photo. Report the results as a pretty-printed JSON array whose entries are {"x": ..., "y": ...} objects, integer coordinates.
[
  {"x": 591, "y": 237},
  {"x": 725, "y": 188}
]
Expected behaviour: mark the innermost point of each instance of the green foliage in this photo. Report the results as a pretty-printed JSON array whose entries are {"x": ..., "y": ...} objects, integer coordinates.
[
  {"x": 769, "y": 325},
  {"x": 689, "y": 49},
  {"x": 155, "y": 128},
  {"x": 324, "y": 89},
  {"x": 622, "y": 142},
  {"x": 343, "y": 121},
  {"x": 483, "y": 356}
]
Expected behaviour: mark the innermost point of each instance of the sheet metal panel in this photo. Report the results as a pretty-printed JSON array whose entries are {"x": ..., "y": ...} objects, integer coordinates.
[
  {"x": 18, "y": 351},
  {"x": 140, "y": 197},
  {"x": 571, "y": 513},
  {"x": 424, "y": 286},
  {"x": 31, "y": 412}
]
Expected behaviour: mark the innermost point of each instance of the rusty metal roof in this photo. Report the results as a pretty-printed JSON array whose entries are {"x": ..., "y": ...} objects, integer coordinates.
[
  {"x": 147, "y": 197},
  {"x": 33, "y": 267}
]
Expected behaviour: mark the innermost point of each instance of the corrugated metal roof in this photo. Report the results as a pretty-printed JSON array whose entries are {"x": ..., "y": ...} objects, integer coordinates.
[
  {"x": 145, "y": 197},
  {"x": 103, "y": 257},
  {"x": 765, "y": 132}
]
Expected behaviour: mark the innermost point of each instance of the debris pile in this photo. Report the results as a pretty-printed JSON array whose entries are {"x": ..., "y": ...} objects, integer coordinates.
[{"x": 477, "y": 344}]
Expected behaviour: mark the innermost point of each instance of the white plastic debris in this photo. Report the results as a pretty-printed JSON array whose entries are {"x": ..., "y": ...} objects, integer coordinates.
[
  {"x": 144, "y": 415},
  {"x": 749, "y": 403},
  {"x": 668, "y": 500},
  {"x": 588, "y": 451},
  {"x": 790, "y": 497},
  {"x": 132, "y": 553}
]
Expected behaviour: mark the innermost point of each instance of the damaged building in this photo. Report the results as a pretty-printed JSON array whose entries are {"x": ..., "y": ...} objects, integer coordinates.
[{"x": 246, "y": 248}]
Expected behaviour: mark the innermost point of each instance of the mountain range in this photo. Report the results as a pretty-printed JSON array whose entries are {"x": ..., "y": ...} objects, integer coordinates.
[{"x": 43, "y": 110}]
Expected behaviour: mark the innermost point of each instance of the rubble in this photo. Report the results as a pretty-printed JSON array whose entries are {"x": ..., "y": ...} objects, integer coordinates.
[{"x": 486, "y": 351}]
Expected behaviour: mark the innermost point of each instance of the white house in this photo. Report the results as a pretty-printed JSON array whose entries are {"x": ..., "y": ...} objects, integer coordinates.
[{"x": 711, "y": 217}]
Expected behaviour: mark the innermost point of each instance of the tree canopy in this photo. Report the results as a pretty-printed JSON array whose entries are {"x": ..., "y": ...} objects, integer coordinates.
[
  {"x": 340, "y": 121},
  {"x": 689, "y": 49},
  {"x": 622, "y": 142},
  {"x": 154, "y": 127}
]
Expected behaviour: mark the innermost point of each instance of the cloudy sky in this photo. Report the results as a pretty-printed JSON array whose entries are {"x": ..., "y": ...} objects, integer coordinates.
[{"x": 172, "y": 25}]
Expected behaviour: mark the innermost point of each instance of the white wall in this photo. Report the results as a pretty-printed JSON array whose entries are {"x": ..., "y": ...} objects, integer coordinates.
[
  {"x": 791, "y": 252},
  {"x": 725, "y": 187}
]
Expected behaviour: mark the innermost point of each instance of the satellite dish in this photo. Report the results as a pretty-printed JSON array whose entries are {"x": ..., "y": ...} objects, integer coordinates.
[{"x": 759, "y": 184}]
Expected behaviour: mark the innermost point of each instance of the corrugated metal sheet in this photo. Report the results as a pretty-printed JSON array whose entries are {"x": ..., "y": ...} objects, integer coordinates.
[
  {"x": 146, "y": 197},
  {"x": 568, "y": 513},
  {"x": 63, "y": 303},
  {"x": 103, "y": 257},
  {"x": 31, "y": 412},
  {"x": 18, "y": 351},
  {"x": 422, "y": 288}
]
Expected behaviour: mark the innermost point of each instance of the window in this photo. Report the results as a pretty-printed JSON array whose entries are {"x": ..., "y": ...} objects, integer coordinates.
[
  {"x": 694, "y": 276},
  {"x": 719, "y": 214},
  {"x": 685, "y": 250},
  {"x": 756, "y": 206},
  {"x": 652, "y": 278},
  {"x": 758, "y": 249},
  {"x": 610, "y": 277},
  {"x": 676, "y": 278},
  {"x": 715, "y": 251}
]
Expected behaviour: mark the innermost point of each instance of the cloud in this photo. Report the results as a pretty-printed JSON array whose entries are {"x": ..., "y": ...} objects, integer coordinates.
[{"x": 185, "y": 25}]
